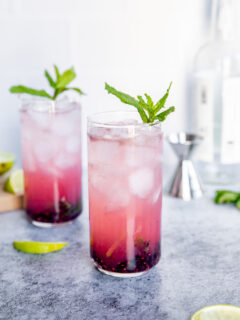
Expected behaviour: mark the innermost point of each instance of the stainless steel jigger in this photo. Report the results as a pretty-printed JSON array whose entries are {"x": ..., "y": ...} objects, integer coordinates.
[{"x": 185, "y": 184}]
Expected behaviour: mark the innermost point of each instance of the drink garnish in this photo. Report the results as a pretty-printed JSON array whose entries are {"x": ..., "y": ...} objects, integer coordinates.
[
  {"x": 220, "y": 312},
  {"x": 6, "y": 162},
  {"x": 225, "y": 196},
  {"x": 114, "y": 246},
  {"x": 59, "y": 85},
  {"x": 38, "y": 247},
  {"x": 116, "y": 243},
  {"x": 142, "y": 245},
  {"x": 15, "y": 182},
  {"x": 148, "y": 111}
]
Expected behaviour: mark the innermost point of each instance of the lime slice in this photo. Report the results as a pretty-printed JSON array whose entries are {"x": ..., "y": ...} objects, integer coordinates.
[
  {"x": 38, "y": 247},
  {"x": 15, "y": 182},
  {"x": 218, "y": 312},
  {"x": 6, "y": 162}
]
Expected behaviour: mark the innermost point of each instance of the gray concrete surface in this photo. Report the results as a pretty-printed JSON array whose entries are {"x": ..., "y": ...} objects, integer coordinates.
[{"x": 200, "y": 266}]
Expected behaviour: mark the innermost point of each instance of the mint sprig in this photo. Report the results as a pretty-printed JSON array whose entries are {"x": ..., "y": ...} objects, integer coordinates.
[
  {"x": 149, "y": 112},
  {"x": 59, "y": 84}
]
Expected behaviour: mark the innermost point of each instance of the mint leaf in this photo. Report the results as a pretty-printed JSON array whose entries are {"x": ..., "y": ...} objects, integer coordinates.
[
  {"x": 163, "y": 115},
  {"x": 57, "y": 72},
  {"x": 66, "y": 78},
  {"x": 146, "y": 106},
  {"x": 77, "y": 90},
  {"x": 59, "y": 85},
  {"x": 149, "y": 100},
  {"x": 59, "y": 91},
  {"x": 50, "y": 79},
  {"x": 125, "y": 98},
  {"x": 141, "y": 245},
  {"x": 151, "y": 116},
  {"x": 160, "y": 104},
  {"x": 23, "y": 89}
]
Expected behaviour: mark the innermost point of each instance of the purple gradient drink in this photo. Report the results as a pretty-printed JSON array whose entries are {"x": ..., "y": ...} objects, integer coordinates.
[
  {"x": 125, "y": 193},
  {"x": 51, "y": 152}
]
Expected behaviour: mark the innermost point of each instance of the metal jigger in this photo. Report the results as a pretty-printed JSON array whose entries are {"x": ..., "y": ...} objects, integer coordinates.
[{"x": 185, "y": 184}]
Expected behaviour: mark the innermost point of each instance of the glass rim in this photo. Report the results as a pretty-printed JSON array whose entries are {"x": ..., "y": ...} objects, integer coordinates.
[
  {"x": 27, "y": 104},
  {"x": 93, "y": 120}
]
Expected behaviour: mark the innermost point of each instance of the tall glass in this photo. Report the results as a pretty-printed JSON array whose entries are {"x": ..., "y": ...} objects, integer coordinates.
[
  {"x": 51, "y": 154},
  {"x": 125, "y": 193}
]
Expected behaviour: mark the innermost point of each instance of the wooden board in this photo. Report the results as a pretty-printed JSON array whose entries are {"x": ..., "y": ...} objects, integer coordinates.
[{"x": 9, "y": 202}]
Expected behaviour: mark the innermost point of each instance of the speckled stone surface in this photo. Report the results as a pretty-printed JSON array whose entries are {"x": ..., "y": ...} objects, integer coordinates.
[{"x": 200, "y": 266}]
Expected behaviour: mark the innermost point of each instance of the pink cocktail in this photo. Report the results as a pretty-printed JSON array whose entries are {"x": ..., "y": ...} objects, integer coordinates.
[
  {"x": 125, "y": 193},
  {"x": 51, "y": 153}
]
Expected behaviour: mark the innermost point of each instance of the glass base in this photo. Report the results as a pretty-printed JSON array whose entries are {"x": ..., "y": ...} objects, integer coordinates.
[
  {"x": 119, "y": 274},
  {"x": 51, "y": 225}
]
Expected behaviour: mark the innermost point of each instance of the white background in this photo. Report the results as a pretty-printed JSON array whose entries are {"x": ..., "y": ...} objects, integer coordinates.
[{"x": 135, "y": 45}]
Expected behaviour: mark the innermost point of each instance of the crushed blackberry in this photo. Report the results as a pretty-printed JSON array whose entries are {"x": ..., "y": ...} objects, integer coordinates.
[
  {"x": 66, "y": 212},
  {"x": 143, "y": 261}
]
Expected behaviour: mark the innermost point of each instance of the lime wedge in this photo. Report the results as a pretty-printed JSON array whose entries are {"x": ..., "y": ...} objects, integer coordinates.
[
  {"x": 38, "y": 247},
  {"x": 15, "y": 182},
  {"x": 218, "y": 312},
  {"x": 6, "y": 162}
]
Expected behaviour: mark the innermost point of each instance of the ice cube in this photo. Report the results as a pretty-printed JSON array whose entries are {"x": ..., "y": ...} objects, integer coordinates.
[
  {"x": 112, "y": 187},
  {"x": 62, "y": 103},
  {"x": 41, "y": 120},
  {"x": 26, "y": 135},
  {"x": 118, "y": 199},
  {"x": 62, "y": 127},
  {"x": 141, "y": 182},
  {"x": 136, "y": 156},
  {"x": 44, "y": 151},
  {"x": 64, "y": 161},
  {"x": 103, "y": 151},
  {"x": 29, "y": 162},
  {"x": 73, "y": 144},
  {"x": 97, "y": 181},
  {"x": 54, "y": 171}
]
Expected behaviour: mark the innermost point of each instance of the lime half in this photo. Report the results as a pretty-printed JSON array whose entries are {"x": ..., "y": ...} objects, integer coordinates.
[
  {"x": 217, "y": 312},
  {"x": 15, "y": 182},
  {"x": 38, "y": 247},
  {"x": 6, "y": 162}
]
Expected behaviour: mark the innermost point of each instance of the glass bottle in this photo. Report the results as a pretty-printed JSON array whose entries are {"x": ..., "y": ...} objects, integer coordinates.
[{"x": 216, "y": 102}]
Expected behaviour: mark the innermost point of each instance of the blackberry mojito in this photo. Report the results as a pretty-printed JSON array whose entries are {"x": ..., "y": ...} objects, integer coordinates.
[
  {"x": 125, "y": 193},
  {"x": 51, "y": 154}
]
